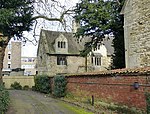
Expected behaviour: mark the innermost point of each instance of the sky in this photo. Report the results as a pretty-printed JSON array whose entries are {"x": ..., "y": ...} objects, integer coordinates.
[{"x": 30, "y": 50}]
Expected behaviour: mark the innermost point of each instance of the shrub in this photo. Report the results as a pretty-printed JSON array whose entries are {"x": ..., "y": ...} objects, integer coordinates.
[
  {"x": 60, "y": 86},
  {"x": 33, "y": 88},
  {"x": 42, "y": 84},
  {"x": 4, "y": 99},
  {"x": 16, "y": 85},
  {"x": 26, "y": 87}
]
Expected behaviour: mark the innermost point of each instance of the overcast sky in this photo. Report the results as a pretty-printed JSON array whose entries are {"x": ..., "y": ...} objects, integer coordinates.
[{"x": 29, "y": 50}]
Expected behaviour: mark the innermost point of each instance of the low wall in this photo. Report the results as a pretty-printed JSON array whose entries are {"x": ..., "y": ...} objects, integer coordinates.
[
  {"x": 115, "y": 86},
  {"x": 23, "y": 80}
]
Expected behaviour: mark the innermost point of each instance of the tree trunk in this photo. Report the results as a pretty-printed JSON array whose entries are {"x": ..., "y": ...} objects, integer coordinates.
[
  {"x": 2, "y": 53},
  {"x": 3, "y": 44}
]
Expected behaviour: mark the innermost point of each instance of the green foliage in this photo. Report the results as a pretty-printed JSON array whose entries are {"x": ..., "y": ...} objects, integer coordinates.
[
  {"x": 15, "y": 17},
  {"x": 100, "y": 17},
  {"x": 60, "y": 86},
  {"x": 42, "y": 84},
  {"x": 118, "y": 42},
  {"x": 26, "y": 87},
  {"x": 124, "y": 110},
  {"x": 16, "y": 85},
  {"x": 95, "y": 18},
  {"x": 118, "y": 108},
  {"x": 147, "y": 102},
  {"x": 4, "y": 99}
]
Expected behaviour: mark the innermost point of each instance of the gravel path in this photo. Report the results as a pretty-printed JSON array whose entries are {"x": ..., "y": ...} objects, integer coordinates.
[{"x": 29, "y": 102}]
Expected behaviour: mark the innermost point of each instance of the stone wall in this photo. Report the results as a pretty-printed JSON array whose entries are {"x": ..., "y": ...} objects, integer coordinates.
[
  {"x": 74, "y": 65},
  {"x": 137, "y": 33},
  {"x": 23, "y": 80}
]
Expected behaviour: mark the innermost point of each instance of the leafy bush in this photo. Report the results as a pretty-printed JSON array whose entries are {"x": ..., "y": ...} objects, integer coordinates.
[
  {"x": 42, "y": 84},
  {"x": 16, "y": 85},
  {"x": 26, "y": 87},
  {"x": 60, "y": 86},
  {"x": 4, "y": 99}
]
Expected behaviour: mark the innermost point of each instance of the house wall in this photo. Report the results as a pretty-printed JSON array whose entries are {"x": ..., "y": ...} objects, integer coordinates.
[
  {"x": 42, "y": 59},
  {"x": 137, "y": 33},
  {"x": 75, "y": 64}
]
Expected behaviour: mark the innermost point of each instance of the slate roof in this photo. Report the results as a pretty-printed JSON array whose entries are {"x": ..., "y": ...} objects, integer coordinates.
[
  {"x": 51, "y": 36},
  {"x": 73, "y": 46}
]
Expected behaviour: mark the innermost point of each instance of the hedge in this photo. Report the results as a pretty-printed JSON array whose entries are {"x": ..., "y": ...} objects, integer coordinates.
[
  {"x": 4, "y": 99},
  {"x": 42, "y": 84}
]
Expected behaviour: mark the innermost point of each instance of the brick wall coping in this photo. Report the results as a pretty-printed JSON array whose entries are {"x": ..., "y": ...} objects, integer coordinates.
[{"x": 124, "y": 71}]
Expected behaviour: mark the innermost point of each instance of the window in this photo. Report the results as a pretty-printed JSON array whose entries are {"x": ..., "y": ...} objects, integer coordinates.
[
  {"x": 96, "y": 61},
  {"x": 64, "y": 44},
  {"x": 29, "y": 59},
  {"x": 61, "y": 60},
  {"x": 9, "y": 56},
  {"x": 92, "y": 60},
  {"x": 61, "y": 44},
  {"x": 9, "y": 65}
]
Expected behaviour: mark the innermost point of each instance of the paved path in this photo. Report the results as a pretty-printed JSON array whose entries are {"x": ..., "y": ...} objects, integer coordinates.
[{"x": 29, "y": 102}]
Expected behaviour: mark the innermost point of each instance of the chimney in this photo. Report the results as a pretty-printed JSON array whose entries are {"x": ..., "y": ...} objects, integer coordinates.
[{"x": 75, "y": 26}]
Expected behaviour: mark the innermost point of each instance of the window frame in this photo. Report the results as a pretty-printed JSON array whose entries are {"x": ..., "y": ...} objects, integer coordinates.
[{"x": 61, "y": 60}]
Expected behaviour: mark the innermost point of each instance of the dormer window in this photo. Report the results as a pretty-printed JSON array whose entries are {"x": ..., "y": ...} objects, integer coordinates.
[{"x": 61, "y": 44}]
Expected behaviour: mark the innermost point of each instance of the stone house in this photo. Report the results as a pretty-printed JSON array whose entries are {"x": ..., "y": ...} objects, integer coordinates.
[
  {"x": 59, "y": 53},
  {"x": 137, "y": 32}
]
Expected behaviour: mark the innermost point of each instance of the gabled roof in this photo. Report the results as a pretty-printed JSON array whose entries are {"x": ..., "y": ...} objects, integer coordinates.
[
  {"x": 123, "y": 8},
  {"x": 73, "y": 46},
  {"x": 51, "y": 36}
]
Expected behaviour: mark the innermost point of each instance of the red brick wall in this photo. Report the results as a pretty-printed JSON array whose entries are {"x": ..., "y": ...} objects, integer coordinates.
[{"x": 115, "y": 88}]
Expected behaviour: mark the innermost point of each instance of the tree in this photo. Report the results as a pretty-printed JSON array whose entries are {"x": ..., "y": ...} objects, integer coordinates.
[
  {"x": 118, "y": 42},
  {"x": 17, "y": 16},
  {"x": 98, "y": 18}
]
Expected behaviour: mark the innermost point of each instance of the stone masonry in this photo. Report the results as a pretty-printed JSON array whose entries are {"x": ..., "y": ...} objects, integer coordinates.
[{"x": 137, "y": 32}]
